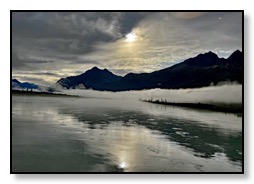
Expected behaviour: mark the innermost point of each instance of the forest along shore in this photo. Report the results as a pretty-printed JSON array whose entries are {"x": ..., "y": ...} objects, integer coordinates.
[
  {"x": 218, "y": 107},
  {"x": 35, "y": 93}
]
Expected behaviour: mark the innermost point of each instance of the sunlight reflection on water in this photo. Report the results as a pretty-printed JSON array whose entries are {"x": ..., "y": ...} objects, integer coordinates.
[{"x": 104, "y": 135}]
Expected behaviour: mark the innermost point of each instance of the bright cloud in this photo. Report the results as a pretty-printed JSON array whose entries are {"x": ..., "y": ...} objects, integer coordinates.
[{"x": 65, "y": 43}]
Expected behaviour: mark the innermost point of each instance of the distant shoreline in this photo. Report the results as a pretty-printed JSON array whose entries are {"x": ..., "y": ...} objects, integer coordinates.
[
  {"x": 35, "y": 93},
  {"x": 218, "y": 107}
]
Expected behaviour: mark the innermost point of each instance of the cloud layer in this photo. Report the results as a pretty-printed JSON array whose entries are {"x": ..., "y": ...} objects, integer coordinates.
[{"x": 69, "y": 43}]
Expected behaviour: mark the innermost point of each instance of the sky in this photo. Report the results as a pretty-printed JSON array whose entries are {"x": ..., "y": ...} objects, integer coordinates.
[{"x": 47, "y": 46}]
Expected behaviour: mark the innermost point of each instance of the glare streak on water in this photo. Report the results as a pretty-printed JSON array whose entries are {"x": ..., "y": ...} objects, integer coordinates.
[{"x": 79, "y": 134}]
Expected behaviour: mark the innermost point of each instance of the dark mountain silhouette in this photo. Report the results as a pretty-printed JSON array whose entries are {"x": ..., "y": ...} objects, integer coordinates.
[
  {"x": 94, "y": 78},
  {"x": 23, "y": 85},
  {"x": 199, "y": 71},
  {"x": 15, "y": 81}
]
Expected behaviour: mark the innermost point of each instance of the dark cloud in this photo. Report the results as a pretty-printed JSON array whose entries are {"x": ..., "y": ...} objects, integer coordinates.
[
  {"x": 44, "y": 37},
  {"x": 47, "y": 73},
  {"x": 54, "y": 44},
  {"x": 39, "y": 61},
  {"x": 70, "y": 32},
  {"x": 130, "y": 19},
  {"x": 17, "y": 62}
]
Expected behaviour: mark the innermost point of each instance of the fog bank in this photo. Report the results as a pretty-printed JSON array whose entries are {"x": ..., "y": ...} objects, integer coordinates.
[{"x": 212, "y": 94}]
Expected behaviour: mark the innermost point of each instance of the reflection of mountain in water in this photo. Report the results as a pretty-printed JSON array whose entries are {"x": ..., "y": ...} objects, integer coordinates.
[{"x": 204, "y": 140}]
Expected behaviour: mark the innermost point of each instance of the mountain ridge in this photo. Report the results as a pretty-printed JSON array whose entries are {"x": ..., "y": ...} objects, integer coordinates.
[
  {"x": 23, "y": 85},
  {"x": 90, "y": 79},
  {"x": 199, "y": 71}
]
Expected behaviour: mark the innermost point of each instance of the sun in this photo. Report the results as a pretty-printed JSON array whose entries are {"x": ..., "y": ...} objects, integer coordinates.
[{"x": 131, "y": 37}]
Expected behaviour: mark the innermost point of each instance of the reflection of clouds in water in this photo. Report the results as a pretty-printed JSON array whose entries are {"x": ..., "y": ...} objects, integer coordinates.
[
  {"x": 132, "y": 140},
  {"x": 119, "y": 110},
  {"x": 135, "y": 127}
]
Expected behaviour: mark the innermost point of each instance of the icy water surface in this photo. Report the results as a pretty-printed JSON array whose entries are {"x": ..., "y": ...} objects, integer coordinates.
[{"x": 54, "y": 134}]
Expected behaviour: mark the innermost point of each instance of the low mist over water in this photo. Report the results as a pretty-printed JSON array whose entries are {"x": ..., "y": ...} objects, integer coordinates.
[
  {"x": 127, "y": 91},
  {"x": 231, "y": 93},
  {"x": 116, "y": 132}
]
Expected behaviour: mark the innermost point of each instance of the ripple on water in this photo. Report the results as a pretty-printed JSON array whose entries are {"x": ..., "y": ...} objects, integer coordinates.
[{"x": 182, "y": 133}]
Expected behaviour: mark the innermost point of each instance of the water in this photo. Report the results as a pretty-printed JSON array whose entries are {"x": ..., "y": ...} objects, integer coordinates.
[{"x": 55, "y": 134}]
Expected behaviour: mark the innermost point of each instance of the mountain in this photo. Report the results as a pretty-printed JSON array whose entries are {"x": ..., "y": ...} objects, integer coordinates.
[
  {"x": 94, "y": 78},
  {"x": 23, "y": 85},
  {"x": 15, "y": 83},
  {"x": 200, "y": 71}
]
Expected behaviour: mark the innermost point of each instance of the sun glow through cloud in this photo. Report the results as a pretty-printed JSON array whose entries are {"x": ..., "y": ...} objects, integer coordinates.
[
  {"x": 121, "y": 42},
  {"x": 131, "y": 37}
]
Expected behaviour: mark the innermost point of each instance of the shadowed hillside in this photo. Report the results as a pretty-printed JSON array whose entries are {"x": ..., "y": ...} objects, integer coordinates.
[{"x": 202, "y": 70}]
